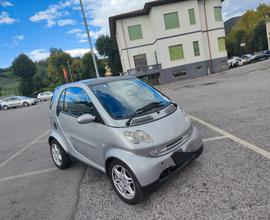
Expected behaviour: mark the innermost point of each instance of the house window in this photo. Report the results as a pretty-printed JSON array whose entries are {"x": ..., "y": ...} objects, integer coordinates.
[
  {"x": 192, "y": 18},
  {"x": 135, "y": 32},
  {"x": 176, "y": 52},
  {"x": 196, "y": 48},
  {"x": 140, "y": 61},
  {"x": 171, "y": 20},
  {"x": 221, "y": 44},
  {"x": 218, "y": 13}
]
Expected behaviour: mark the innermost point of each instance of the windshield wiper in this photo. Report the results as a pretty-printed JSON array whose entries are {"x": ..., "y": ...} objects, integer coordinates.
[{"x": 146, "y": 108}]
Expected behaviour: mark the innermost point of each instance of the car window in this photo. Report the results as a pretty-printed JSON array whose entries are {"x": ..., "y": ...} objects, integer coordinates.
[
  {"x": 60, "y": 105},
  {"x": 77, "y": 102}
]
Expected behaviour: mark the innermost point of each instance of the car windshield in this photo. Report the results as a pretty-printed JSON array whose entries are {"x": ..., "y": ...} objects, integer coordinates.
[{"x": 123, "y": 98}]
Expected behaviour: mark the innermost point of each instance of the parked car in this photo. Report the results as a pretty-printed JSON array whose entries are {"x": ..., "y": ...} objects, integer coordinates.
[
  {"x": 44, "y": 96},
  {"x": 267, "y": 52},
  {"x": 261, "y": 56},
  {"x": 248, "y": 58},
  {"x": 1, "y": 103},
  {"x": 235, "y": 62},
  {"x": 16, "y": 101},
  {"x": 125, "y": 128}
]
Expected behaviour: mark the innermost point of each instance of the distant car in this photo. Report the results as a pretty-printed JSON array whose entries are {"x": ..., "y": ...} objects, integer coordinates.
[
  {"x": 44, "y": 96},
  {"x": 261, "y": 56},
  {"x": 267, "y": 52},
  {"x": 235, "y": 62},
  {"x": 249, "y": 58},
  {"x": 17, "y": 101}
]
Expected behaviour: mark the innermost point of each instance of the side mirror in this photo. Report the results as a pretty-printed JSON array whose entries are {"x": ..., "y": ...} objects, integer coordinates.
[{"x": 86, "y": 118}]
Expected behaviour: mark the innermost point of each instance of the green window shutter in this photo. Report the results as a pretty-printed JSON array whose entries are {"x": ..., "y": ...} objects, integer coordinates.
[
  {"x": 171, "y": 20},
  {"x": 221, "y": 44},
  {"x": 218, "y": 13},
  {"x": 196, "y": 48},
  {"x": 191, "y": 14},
  {"x": 176, "y": 52},
  {"x": 135, "y": 32}
]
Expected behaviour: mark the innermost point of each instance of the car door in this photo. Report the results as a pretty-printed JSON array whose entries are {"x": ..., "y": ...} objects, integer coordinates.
[
  {"x": 17, "y": 102},
  {"x": 85, "y": 139}
]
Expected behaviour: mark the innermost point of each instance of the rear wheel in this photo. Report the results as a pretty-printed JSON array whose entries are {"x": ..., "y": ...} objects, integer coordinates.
[
  {"x": 25, "y": 104},
  {"x": 59, "y": 156},
  {"x": 125, "y": 182},
  {"x": 39, "y": 100}
]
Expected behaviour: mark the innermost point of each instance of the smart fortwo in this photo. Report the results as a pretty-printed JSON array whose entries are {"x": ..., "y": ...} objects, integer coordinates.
[{"x": 125, "y": 128}]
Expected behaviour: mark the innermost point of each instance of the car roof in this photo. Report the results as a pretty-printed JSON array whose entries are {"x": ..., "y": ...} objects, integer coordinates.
[{"x": 96, "y": 81}]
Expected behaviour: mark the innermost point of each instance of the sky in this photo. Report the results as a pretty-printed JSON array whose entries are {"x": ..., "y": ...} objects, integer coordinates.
[{"x": 34, "y": 26}]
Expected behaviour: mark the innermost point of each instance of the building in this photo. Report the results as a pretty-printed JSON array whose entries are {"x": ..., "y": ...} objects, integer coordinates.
[
  {"x": 170, "y": 40},
  {"x": 268, "y": 33}
]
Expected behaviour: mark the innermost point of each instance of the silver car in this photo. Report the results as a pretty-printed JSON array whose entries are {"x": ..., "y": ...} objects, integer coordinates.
[
  {"x": 125, "y": 128},
  {"x": 17, "y": 101},
  {"x": 44, "y": 96}
]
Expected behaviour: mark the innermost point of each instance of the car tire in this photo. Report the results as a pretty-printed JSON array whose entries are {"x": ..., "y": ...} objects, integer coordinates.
[
  {"x": 5, "y": 107},
  {"x": 25, "y": 104},
  {"x": 135, "y": 193},
  {"x": 39, "y": 100},
  {"x": 59, "y": 155}
]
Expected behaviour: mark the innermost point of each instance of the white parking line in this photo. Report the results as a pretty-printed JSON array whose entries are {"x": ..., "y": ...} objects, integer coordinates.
[
  {"x": 233, "y": 137},
  {"x": 23, "y": 149},
  {"x": 27, "y": 174},
  {"x": 214, "y": 138}
]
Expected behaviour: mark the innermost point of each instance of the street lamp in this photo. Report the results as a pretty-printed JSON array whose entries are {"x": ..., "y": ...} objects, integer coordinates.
[{"x": 89, "y": 40}]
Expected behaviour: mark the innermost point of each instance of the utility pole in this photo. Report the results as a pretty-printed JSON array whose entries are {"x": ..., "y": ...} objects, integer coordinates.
[{"x": 89, "y": 40}]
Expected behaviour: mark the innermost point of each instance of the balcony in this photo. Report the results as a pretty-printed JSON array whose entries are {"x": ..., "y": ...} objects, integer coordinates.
[{"x": 145, "y": 70}]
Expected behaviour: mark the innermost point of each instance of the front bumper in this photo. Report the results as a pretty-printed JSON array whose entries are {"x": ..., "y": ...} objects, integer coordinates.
[
  {"x": 149, "y": 170},
  {"x": 181, "y": 159}
]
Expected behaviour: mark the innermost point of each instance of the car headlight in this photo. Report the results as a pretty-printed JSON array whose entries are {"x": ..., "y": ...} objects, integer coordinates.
[{"x": 138, "y": 137}]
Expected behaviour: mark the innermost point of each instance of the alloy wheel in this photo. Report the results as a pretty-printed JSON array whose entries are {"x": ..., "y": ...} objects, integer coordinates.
[{"x": 123, "y": 182}]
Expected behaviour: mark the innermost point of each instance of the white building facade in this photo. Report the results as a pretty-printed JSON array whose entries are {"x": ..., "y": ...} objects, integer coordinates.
[{"x": 171, "y": 40}]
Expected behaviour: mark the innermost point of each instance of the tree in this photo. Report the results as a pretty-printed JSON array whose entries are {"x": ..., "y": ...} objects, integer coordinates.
[
  {"x": 259, "y": 39},
  {"x": 25, "y": 68},
  {"x": 107, "y": 47},
  {"x": 58, "y": 60},
  {"x": 88, "y": 69},
  {"x": 251, "y": 30}
]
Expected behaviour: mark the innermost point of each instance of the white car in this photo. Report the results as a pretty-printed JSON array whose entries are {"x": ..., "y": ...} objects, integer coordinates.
[
  {"x": 17, "y": 101},
  {"x": 236, "y": 61},
  {"x": 44, "y": 96}
]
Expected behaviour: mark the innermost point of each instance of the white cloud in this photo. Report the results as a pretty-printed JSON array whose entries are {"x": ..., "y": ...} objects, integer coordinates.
[
  {"x": 41, "y": 54},
  {"x": 5, "y": 4},
  {"x": 6, "y": 19},
  {"x": 65, "y": 22},
  {"x": 74, "y": 31},
  {"x": 101, "y": 10}
]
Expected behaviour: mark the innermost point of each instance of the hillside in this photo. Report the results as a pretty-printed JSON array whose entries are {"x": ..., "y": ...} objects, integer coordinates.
[{"x": 229, "y": 24}]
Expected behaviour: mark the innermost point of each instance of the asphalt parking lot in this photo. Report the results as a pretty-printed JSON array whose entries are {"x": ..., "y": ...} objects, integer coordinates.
[{"x": 229, "y": 181}]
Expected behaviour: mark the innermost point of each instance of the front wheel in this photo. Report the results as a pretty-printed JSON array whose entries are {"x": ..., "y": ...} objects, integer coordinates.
[
  {"x": 125, "y": 183},
  {"x": 59, "y": 156},
  {"x": 5, "y": 107}
]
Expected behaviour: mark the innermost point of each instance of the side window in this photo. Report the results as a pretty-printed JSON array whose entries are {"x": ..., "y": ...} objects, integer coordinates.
[
  {"x": 78, "y": 103},
  {"x": 60, "y": 105}
]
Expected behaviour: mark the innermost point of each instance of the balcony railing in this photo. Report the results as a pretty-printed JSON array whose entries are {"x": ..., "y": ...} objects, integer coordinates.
[{"x": 145, "y": 70}]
